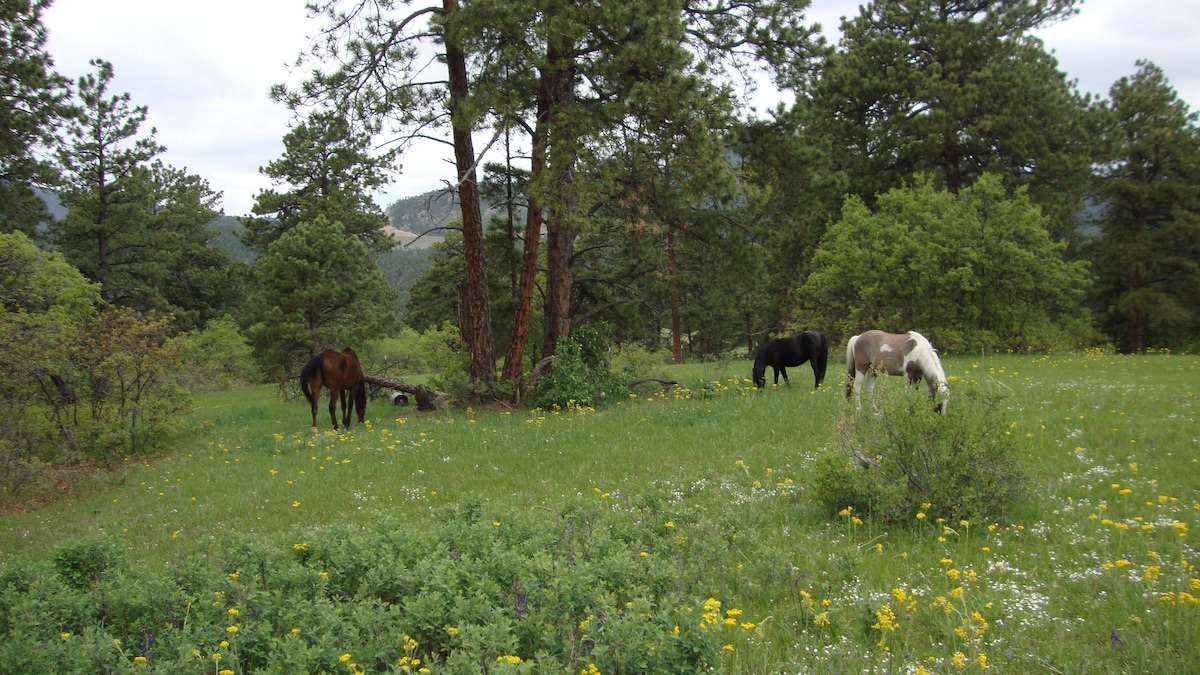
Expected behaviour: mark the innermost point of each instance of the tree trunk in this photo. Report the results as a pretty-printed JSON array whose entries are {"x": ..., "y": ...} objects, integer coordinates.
[
  {"x": 560, "y": 246},
  {"x": 561, "y": 229},
  {"x": 427, "y": 399},
  {"x": 1137, "y": 318},
  {"x": 514, "y": 359},
  {"x": 673, "y": 282},
  {"x": 476, "y": 309}
]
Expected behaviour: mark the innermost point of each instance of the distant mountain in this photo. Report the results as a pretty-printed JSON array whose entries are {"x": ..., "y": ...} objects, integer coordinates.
[
  {"x": 428, "y": 212},
  {"x": 230, "y": 229},
  {"x": 424, "y": 212},
  {"x": 52, "y": 203}
]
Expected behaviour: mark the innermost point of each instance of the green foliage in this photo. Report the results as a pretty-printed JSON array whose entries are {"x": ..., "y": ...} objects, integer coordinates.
[
  {"x": 217, "y": 357},
  {"x": 34, "y": 282},
  {"x": 106, "y": 231},
  {"x": 78, "y": 385},
  {"x": 33, "y": 103},
  {"x": 134, "y": 225},
  {"x": 793, "y": 194},
  {"x": 332, "y": 171},
  {"x": 957, "y": 90},
  {"x": 383, "y": 597},
  {"x": 633, "y": 361},
  {"x": 123, "y": 398},
  {"x": 716, "y": 487},
  {"x": 401, "y": 267},
  {"x": 948, "y": 265},
  {"x": 82, "y": 564},
  {"x": 319, "y": 288},
  {"x": 908, "y": 459},
  {"x": 433, "y": 299},
  {"x": 419, "y": 352},
  {"x": 1148, "y": 280},
  {"x": 580, "y": 374}
]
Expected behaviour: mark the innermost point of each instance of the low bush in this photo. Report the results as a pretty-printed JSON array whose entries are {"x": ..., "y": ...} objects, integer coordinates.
[
  {"x": 581, "y": 590},
  {"x": 580, "y": 374},
  {"x": 218, "y": 358},
  {"x": 906, "y": 459},
  {"x": 82, "y": 564}
]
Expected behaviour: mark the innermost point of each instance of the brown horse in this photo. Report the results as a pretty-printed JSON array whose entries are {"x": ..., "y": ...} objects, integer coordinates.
[
  {"x": 909, "y": 354},
  {"x": 342, "y": 374}
]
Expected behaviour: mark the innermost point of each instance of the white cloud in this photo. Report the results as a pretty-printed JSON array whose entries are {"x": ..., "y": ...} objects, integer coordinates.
[{"x": 204, "y": 68}]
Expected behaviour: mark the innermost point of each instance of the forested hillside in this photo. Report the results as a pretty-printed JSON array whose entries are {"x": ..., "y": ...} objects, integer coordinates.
[
  {"x": 611, "y": 180},
  {"x": 400, "y": 266},
  {"x": 426, "y": 213}
]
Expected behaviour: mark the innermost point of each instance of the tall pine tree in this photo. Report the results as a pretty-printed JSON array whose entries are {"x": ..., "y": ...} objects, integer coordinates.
[
  {"x": 1147, "y": 257},
  {"x": 957, "y": 88},
  {"x": 135, "y": 225},
  {"x": 34, "y": 100},
  {"x": 328, "y": 169}
]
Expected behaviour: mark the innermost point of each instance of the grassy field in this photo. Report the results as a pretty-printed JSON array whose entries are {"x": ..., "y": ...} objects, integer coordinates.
[{"x": 1094, "y": 570}]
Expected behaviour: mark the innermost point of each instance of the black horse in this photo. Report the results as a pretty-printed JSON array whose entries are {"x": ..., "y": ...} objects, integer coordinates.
[{"x": 780, "y": 353}]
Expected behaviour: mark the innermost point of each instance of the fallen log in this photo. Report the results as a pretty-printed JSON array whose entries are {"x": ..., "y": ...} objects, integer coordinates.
[{"x": 427, "y": 399}]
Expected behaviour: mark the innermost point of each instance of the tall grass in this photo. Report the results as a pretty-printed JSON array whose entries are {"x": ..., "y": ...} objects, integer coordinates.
[{"x": 1093, "y": 570}]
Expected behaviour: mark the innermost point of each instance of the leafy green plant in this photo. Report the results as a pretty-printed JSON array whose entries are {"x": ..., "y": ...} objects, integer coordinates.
[
  {"x": 580, "y": 374},
  {"x": 218, "y": 358},
  {"x": 643, "y": 515},
  {"x": 82, "y": 563},
  {"x": 907, "y": 459}
]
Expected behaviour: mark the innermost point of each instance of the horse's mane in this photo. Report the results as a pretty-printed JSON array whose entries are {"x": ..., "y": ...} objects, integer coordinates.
[{"x": 927, "y": 357}]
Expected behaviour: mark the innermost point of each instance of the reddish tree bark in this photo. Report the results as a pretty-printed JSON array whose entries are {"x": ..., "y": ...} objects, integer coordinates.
[{"x": 476, "y": 306}]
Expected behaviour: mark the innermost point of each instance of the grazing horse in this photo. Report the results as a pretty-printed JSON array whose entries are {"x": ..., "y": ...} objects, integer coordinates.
[
  {"x": 342, "y": 374},
  {"x": 908, "y": 354},
  {"x": 779, "y": 353}
]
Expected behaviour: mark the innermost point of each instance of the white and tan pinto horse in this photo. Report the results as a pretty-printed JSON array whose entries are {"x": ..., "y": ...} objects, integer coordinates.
[{"x": 908, "y": 354}]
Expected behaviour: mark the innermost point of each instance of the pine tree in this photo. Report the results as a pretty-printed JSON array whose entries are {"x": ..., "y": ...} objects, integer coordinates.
[
  {"x": 1147, "y": 257},
  {"x": 34, "y": 100},
  {"x": 958, "y": 88},
  {"x": 319, "y": 288},
  {"x": 134, "y": 225},
  {"x": 327, "y": 169},
  {"x": 106, "y": 233}
]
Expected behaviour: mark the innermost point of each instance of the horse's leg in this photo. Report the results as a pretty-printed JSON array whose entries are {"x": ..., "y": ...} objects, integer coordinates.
[
  {"x": 316, "y": 396},
  {"x": 783, "y": 371},
  {"x": 870, "y": 387},
  {"x": 858, "y": 383},
  {"x": 347, "y": 406},
  {"x": 334, "y": 395}
]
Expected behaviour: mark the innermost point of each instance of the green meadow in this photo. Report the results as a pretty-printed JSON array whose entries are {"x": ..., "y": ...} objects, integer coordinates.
[{"x": 673, "y": 531}]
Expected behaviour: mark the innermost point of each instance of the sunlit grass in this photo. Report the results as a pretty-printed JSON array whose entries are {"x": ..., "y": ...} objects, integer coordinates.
[{"x": 1093, "y": 570}]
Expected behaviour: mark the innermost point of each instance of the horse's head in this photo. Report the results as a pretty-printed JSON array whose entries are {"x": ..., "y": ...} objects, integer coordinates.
[
  {"x": 926, "y": 362},
  {"x": 941, "y": 397},
  {"x": 760, "y": 372}
]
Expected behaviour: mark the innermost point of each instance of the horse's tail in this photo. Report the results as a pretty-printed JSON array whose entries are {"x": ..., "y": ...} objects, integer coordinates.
[
  {"x": 850, "y": 365},
  {"x": 360, "y": 400},
  {"x": 310, "y": 369},
  {"x": 820, "y": 357}
]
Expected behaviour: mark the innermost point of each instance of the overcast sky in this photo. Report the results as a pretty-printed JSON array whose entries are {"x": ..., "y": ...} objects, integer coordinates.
[{"x": 204, "y": 68}]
